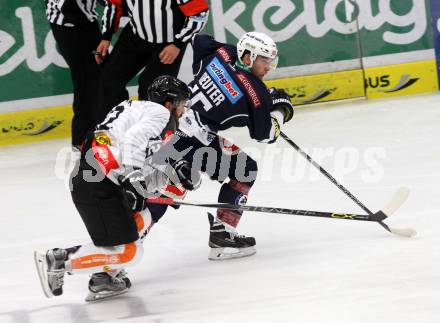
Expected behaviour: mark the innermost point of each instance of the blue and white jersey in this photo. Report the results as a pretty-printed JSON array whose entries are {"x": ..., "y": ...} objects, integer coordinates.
[{"x": 224, "y": 96}]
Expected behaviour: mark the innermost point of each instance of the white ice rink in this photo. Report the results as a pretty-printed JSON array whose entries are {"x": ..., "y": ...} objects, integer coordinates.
[{"x": 306, "y": 270}]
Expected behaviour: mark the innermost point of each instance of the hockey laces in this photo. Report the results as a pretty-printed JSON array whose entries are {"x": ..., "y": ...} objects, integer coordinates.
[
  {"x": 121, "y": 274},
  {"x": 237, "y": 235}
]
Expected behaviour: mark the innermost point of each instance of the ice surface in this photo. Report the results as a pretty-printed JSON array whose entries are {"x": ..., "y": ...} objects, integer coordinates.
[{"x": 306, "y": 270}]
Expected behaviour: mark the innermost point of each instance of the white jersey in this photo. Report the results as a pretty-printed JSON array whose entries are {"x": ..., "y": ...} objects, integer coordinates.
[
  {"x": 131, "y": 133},
  {"x": 131, "y": 126}
]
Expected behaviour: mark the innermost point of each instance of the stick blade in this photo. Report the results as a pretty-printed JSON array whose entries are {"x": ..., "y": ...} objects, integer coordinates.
[
  {"x": 399, "y": 197},
  {"x": 396, "y": 201},
  {"x": 404, "y": 232}
]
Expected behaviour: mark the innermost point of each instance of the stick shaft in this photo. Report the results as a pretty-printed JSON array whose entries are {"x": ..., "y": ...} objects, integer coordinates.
[
  {"x": 325, "y": 173},
  {"x": 275, "y": 210}
]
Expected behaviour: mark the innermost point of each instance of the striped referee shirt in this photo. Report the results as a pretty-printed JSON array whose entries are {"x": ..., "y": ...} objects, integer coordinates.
[
  {"x": 158, "y": 21},
  {"x": 70, "y": 12}
]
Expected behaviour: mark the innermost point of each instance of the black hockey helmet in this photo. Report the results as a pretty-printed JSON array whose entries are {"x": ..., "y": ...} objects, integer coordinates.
[{"x": 168, "y": 88}]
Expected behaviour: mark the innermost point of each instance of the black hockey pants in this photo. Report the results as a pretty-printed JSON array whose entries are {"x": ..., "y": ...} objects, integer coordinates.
[{"x": 102, "y": 204}]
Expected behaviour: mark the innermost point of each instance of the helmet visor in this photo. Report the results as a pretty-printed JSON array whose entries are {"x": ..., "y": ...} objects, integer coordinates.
[{"x": 272, "y": 62}]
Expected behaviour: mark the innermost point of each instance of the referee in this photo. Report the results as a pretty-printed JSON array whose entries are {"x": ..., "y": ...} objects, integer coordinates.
[
  {"x": 75, "y": 26},
  {"x": 154, "y": 39}
]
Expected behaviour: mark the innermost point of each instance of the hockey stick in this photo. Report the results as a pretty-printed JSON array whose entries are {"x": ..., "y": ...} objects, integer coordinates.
[
  {"x": 402, "y": 194},
  {"x": 379, "y": 216}
]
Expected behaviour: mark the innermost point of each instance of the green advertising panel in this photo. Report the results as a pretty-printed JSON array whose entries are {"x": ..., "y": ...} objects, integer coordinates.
[
  {"x": 394, "y": 26},
  {"x": 307, "y": 31},
  {"x": 317, "y": 31},
  {"x": 30, "y": 65}
]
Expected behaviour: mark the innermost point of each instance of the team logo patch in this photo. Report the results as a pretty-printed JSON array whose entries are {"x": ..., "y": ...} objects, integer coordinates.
[
  {"x": 241, "y": 200},
  {"x": 102, "y": 138},
  {"x": 225, "y": 82}
]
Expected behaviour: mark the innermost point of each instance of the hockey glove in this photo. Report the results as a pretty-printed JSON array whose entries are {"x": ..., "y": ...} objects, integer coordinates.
[
  {"x": 281, "y": 102},
  {"x": 134, "y": 187},
  {"x": 188, "y": 179}
]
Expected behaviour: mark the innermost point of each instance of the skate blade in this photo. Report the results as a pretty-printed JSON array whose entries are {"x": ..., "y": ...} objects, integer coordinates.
[
  {"x": 230, "y": 253},
  {"x": 41, "y": 264},
  {"x": 95, "y": 297}
]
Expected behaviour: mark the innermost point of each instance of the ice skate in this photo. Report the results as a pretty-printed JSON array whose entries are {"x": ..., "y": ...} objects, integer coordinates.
[
  {"x": 227, "y": 244},
  {"x": 50, "y": 268},
  {"x": 104, "y": 285}
]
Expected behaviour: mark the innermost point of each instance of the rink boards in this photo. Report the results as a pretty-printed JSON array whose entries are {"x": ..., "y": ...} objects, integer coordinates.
[
  {"x": 329, "y": 50},
  {"x": 372, "y": 83},
  {"x": 35, "y": 125}
]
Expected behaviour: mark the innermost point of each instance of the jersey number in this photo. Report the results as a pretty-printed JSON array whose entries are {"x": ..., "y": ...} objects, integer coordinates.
[
  {"x": 200, "y": 97},
  {"x": 112, "y": 116}
]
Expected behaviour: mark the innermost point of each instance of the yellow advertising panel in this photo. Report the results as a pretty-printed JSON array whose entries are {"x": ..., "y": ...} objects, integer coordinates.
[
  {"x": 35, "y": 125},
  {"x": 322, "y": 87},
  {"x": 401, "y": 79}
]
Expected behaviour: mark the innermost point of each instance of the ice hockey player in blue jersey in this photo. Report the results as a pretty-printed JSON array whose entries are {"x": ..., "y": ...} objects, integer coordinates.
[{"x": 228, "y": 91}]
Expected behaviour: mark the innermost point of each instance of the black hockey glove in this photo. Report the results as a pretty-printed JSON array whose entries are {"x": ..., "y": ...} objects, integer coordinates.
[
  {"x": 281, "y": 102},
  {"x": 133, "y": 185},
  {"x": 188, "y": 180}
]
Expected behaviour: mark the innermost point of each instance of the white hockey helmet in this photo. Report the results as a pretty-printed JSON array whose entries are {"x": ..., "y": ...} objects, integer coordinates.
[{"x": 258, "y": 44}]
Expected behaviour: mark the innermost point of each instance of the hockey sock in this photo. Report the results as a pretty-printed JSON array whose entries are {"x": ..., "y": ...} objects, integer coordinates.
[{"x": 233, "y": 192}]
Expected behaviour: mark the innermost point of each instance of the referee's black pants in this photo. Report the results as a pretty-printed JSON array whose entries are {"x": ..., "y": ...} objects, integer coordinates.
[
  {"x": 76, "y": 45},
  {"x": 130, "y": 54}
]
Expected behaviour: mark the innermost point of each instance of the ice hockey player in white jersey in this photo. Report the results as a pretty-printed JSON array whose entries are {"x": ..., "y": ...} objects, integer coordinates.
[{"x": 113, "y": 178}]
